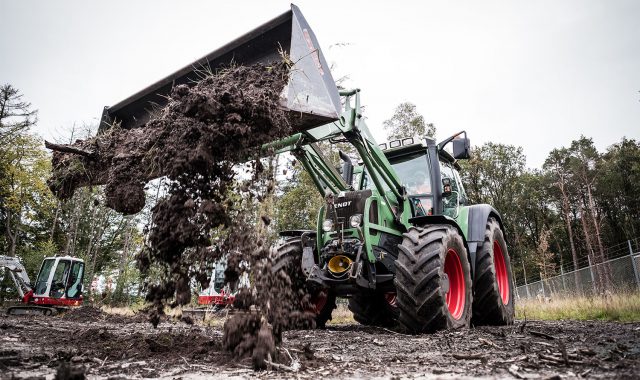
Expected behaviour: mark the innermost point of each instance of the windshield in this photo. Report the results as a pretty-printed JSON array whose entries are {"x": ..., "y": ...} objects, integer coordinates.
[
  {"x": 43, "y": 276},
  {"x": 413, "y": 172},
  {"x": 218, "y": 283}
]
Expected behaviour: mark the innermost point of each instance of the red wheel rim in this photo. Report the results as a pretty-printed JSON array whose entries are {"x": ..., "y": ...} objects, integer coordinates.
[
  {"x": 319, "y": 301},
  {"x": 502, "y": 277},
  {"x": 391, "y": 298},
  {"x": 455, "y": 296}
]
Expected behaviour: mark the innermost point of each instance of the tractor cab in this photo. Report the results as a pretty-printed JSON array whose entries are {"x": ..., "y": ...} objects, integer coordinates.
[
  {"x": 428, "y": 172},
  {"x": 59, "y": 282}
]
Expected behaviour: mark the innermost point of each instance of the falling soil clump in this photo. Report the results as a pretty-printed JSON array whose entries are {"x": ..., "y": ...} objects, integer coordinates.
[{"x": 197, "y": 141}]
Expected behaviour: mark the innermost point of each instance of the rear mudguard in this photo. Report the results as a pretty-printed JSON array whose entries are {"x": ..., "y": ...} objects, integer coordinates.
[{"x": 477, "y": 224}]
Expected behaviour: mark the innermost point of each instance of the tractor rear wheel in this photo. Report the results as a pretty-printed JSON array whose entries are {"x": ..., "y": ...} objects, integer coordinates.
[
  {"x": 375, "y": 309},
  {"x": 288, "y": 258},
  {"x": 433, "y": 280},
  {"x": 493, "y": 292}
]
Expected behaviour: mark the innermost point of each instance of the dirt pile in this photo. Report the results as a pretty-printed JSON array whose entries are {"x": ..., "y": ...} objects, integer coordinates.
[{"x": 208, "y": 211}]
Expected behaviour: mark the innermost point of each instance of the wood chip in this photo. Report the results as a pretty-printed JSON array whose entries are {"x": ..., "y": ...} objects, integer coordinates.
[
  {"x": 488, "y": 343},
  {"x": 469, "y": 356},
  {"x": 541, "y": 334}
]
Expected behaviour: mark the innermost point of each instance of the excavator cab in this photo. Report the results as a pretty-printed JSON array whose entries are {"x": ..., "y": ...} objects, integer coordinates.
[
  {"x": 59, "y": 282},
  {"x": 57, "y": 286}
]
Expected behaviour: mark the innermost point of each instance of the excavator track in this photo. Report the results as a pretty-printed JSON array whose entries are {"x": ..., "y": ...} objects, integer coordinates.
[{"x": 33, "y": 310}]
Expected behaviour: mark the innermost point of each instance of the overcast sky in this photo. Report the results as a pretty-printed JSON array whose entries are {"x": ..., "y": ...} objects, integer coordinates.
[{"x": 530, "y": 73}]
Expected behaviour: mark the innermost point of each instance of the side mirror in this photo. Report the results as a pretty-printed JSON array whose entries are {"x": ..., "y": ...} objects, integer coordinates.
[
  {"x": 347, "y": 168},
  {"x": 461, "y": 148}
]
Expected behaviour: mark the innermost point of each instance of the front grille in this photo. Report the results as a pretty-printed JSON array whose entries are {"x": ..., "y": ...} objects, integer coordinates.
[{"x": 350, "y": 204}]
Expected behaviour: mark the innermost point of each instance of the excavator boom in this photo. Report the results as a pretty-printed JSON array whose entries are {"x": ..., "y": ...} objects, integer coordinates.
[{"x": 17, "y": 273}]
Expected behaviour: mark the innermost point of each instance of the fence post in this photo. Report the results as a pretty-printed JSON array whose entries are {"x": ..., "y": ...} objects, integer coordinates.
[
  {"x": 593, "y": 279},
  {"x": 544, "y": 295},
  {"x": 564, "y": 286},
  {"x": 633, "y": 263}
]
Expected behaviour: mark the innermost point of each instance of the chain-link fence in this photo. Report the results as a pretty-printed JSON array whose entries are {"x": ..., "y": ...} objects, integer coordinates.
[{"x": 620, "y": 273}]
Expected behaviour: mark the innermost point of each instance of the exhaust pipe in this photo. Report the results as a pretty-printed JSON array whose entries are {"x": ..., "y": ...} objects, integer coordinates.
[{"x": 311, "y": 95}]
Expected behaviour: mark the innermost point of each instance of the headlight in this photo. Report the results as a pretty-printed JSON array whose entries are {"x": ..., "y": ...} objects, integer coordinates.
[
  {"x": 327, "y": 225},
  {"x": 355, "y": 220}
]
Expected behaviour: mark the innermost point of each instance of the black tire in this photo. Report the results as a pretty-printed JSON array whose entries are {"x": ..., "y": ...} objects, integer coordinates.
[
  {"x": 373, "y": 309},
  {"x": 493, "y": 299},
  {"x": 288, "y": 258},
  {"x": 425, "y": 279}
]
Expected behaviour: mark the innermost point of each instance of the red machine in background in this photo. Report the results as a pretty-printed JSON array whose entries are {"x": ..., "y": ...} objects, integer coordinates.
[
  {"x": 216, "y": 294},
  {"x": 58, "y": 285}
]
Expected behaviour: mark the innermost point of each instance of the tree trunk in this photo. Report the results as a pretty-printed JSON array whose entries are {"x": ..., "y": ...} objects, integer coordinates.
[
  {"x": 93, "y": 248},
  {"x": 55, "y": 220},
  {"x": 604, "y": 271},
  {"x": 574, "y": 255},
  {"x": 590, "y": 251},
  {"x": 11, "y": 234},
  {"x": 119, "y": 293}
]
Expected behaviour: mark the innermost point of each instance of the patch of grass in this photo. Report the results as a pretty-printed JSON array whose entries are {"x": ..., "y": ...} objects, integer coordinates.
[
  {"x": 618, "y": 307},
  {"x": 125, "y": 311},
  {"x": 341, "y": 315},
  {"x": 215, "y": 319}
]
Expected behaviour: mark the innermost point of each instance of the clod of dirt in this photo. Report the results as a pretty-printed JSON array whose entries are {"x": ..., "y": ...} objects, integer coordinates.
[{"x": 68, "y": 372}]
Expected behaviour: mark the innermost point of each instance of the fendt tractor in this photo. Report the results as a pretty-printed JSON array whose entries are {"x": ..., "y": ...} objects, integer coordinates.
[
  {"x": 396, "y": 235},
  {"x": 58, "y": 285}
]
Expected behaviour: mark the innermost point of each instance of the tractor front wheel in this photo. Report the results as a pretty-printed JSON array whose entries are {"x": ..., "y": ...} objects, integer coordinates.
[
  {"x": 375, "y": 309},
  {"x": 288, "y": 258},
  {"x": 433, "y": 280},
  {"x": 493, "y": 292}
]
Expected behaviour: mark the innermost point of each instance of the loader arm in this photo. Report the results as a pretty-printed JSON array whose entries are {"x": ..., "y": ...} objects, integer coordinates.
[
  {"x": 350, "y": 128},
  {"x": 18, "y": 274}
]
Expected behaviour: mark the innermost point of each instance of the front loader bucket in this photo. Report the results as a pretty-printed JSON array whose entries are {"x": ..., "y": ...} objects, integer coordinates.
[{"x": 311, "y": 94}]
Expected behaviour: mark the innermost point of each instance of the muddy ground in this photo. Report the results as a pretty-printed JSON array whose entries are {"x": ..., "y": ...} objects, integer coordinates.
[{"x": 105, "y": 346}]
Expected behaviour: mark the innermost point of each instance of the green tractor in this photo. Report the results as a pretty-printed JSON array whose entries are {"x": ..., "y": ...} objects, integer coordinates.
[{"x": 397, "y": 235}]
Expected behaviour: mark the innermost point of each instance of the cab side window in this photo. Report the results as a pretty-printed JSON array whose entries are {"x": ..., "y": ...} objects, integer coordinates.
[
  {"x": 74, "y": 289},
  {"x": 456, "y": 192}
]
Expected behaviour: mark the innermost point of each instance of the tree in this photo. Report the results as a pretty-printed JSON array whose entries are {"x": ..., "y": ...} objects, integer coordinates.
[
  {"x": 24, "y": 196},
  {"x": 298, "y": 206},
  {"x": 16, "y": 152},
  {"x": 557, "y": 167},
  {"x": 583, "y": 163},
  {"x": 16, "y": 115},
  {"x": 407, "y": 122},
  {"x": 617, "y": 188},
  {"x": 544, "y": 257}
]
